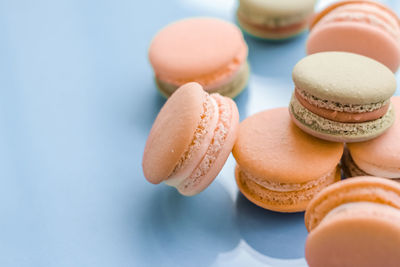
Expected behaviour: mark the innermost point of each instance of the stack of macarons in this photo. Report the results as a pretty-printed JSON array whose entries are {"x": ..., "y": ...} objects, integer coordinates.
[{"x": 342, "y": 118}]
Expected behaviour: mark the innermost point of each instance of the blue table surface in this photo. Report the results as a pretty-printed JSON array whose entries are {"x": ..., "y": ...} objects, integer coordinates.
[{"x": 77, "y": 100}]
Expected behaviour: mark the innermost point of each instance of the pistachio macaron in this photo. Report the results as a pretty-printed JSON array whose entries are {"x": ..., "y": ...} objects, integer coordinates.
[
  {"x": 342, "y": 97},
  {"x": 376, "y": 157},
  {"x": 274, "y": 20},
  {"x": 355, "y": 222},
  {"x": 279, "y": 167}
]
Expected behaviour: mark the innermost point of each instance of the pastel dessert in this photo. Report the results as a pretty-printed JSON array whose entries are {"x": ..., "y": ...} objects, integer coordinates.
[
  {"x": 342, "y": 97},
  {"x": 355, "y": 222},
  {"x": 209, "y": 51},
  {"x": 274, "y": 20},
  {"x": 279, "y": 167},
  {"x": 363, "y": 27},
  {"x": 191, "y": 139},
  {"x": 376, "y": 157}
]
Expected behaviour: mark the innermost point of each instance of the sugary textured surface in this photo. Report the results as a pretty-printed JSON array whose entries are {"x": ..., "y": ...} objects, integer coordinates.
[
  {"x": 172, "y": 132},
  {"x": 356, "y": 234},
  {"x": 383, "y": 153},
  {"x": 282, "y": 201},
  {"x": 360, "y": 189},
  {"x": 344, "y": 78},
  {"x": 220, "y": 134},
  {"x": 270, "y": 146},
  {"x": 230, "y": 89},
  {"x": 205, "y": 50},
  {"x": 338, "y": 131},
  {"x": 357, "y": 27}
]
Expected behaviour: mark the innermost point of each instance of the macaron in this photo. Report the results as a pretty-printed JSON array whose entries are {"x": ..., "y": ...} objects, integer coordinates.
[
  {"x": 355, "y": 222},
  {"x": 363, "y": 27},
  {"x": 274, "y": 20},
  {"x": 379, "y": 156},
  {"x": 279, "y": 167},
  {"x": 342, "y": 97},
  {"x": 209, "y": 51},
  {"x": 191, "y": 139}
]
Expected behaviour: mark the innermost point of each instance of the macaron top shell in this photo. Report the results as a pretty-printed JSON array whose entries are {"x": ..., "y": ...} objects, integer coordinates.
[
  {"x": 270, "y": 146},
  {"x": 179, "y": 117},
  {"x": 278, "y": 8},
  {"x": 360, "y": 189},
  {"x": 383, "y": 151},
  {"x": 193, "y": 49},
  {"x": 344, "y": 77}
]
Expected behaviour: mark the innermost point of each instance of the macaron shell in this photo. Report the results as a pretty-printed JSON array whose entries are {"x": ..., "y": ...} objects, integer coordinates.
[
  {"x": 355, "y": 38},
  {"x": 270, "y": 145},
  {"x": 178, "y": 117},
  {"x": 272, "y": 8},
  {"x": 384, "y": 151},
  {"x": 359, "y": 189},
  {"x": 345, "y": 78},
  {"x": 209, "y": 50},
  {"x": 366, "y": 235},
  {"x": 262, "y": 196},
  {"x": 222, "y": 156}
]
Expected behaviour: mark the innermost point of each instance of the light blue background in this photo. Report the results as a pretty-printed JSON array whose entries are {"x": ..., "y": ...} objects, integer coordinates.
[{"x": 77, "y": 100}]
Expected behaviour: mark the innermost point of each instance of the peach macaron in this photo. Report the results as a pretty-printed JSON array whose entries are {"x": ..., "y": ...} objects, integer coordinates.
[
  {"x": 190, "y": 139},
  {"x": 355, "y": 222},
  {"x": 209, "y": 51},
  {"x": 279, "y": 167},
  {"x": 362, "y": 27},
  {"x": 379, "y": 156}
]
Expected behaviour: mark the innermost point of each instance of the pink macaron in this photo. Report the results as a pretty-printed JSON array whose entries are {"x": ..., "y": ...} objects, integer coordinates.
[
  {"x": 362, "y": 27},
  {"x": 191, "y": 139}
]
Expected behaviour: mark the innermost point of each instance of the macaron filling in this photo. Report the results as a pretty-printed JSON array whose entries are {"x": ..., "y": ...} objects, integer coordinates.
[
  {"x": 339, "y": 112},
  {"x": 365, "y": 13},
  {"x": 228, "y": 87},
  {"x": 285, "y": 193},
  {"x": 214, "y": 147},
  {"x": 320, "y": 124}
]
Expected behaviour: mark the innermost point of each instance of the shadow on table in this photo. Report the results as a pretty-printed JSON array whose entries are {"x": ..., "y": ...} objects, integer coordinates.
[
  {"x": 187, "y": 231},
  {"x": 276, "y": 235},
  {"x": 241, "y": 101}
]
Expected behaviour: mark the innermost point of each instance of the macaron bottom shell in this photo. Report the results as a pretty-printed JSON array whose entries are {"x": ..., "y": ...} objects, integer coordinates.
[
  {"x": 230, "y": 89},
  {"x": 338, "y": 131},
  {"x": 286, "y": 201}
]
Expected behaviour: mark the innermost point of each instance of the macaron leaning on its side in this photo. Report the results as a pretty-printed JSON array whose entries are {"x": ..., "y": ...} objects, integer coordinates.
[
  {"x": 190, "y": 140},
  {"x": 376, "y": 157},
  {"x": 355, "y": 222},
  {"x": 209, "y": 51},
  {"x": 364, "y": 27},
  {"x": 274, "y": 20},
  {"x": 342, "y": 97},
  {"x": 279, "y": 167}
]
